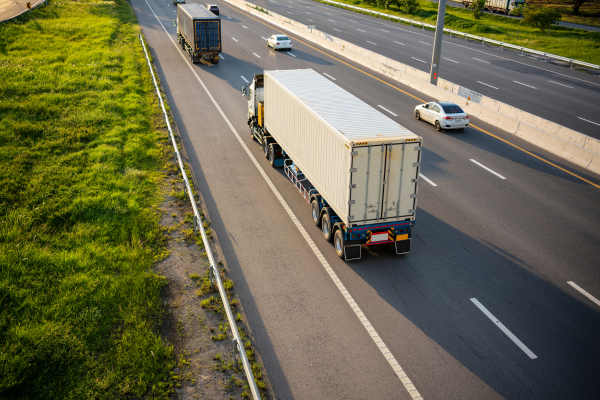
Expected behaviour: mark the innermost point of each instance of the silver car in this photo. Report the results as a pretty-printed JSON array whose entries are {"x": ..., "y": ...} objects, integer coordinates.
[
  {"x": 443, "y": 114},
  {"x": 279, "y": 42}
]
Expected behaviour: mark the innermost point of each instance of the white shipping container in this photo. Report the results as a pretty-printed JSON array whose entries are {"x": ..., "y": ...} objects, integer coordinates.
[{"x": 364, "y": 164}]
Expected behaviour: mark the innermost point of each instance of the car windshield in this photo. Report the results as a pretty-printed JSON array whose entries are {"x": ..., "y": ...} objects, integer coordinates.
[
  {"x": 282, "y": 38},
  {"x": 452, "y": 109}
]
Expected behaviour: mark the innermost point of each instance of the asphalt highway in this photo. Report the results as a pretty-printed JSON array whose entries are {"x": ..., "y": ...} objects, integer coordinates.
[
  {"x": 12, "y": 8},
  {"x": 567, "y": 97},
  {"x": 481, "y": 308}
]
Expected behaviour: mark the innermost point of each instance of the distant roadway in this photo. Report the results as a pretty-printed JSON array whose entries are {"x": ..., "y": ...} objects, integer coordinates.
[
  {"x": 11, "y": 8},
  {"x": 567, "y": 97},
  {"x": 499, "y": 295}
]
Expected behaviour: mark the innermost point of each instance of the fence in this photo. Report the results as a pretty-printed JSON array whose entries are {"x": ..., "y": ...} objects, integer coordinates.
[
  {"x": 423, "y": 25},
  {"x": 238, "y": 345}
]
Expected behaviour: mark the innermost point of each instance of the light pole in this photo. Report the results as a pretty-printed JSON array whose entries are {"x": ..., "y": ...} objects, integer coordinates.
[{"x": 437, "y": 43}]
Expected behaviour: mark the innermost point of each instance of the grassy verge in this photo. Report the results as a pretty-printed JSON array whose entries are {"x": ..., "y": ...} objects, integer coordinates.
[
  {"x": 80, "y": 161},
  {"x": 572, "y": 43}
]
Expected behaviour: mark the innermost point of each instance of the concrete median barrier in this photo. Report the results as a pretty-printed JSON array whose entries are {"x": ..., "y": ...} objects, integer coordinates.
[{"x": 557, "y": 139}]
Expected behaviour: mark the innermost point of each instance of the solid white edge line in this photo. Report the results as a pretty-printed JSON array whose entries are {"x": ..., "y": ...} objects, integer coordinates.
[
  {"x": 484, "y": 167},
  {"x": 383, "y": 108},
  {"x": 427, "y": 179},
  {"x": 504, "y": 329},
  {"x": 408, "y": 385},
  {"x": 493, "y": 87},
  {"x": 329, "y": 76},
  {"x": 587, "y": 120},
  {"x": 244, "y": 79},
  {"x": 561, "y": 84},
  {"x": 524, "y": 84},
  {"x": 583, "y": 292}
]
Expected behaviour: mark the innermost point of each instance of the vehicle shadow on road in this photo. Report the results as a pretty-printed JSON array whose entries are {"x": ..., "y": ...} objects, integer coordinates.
[{"x": 430, "y": 291}]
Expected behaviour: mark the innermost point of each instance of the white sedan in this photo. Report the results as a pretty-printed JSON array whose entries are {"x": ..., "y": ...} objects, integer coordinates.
[
  {"x": 443, "y": 114},
  {"x": 279, "y": 42}
]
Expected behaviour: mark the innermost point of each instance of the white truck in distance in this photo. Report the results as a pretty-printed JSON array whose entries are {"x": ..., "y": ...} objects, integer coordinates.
[
  {"x": 357, "y": 168},
  {"x": 502, "y": 6}
]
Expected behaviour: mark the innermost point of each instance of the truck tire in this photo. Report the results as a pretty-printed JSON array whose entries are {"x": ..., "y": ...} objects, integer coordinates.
[
  {"x": 266, "y": 148},
  {"x": 315, "y": 212},
  {"x": 338, "y": 243},
  {"x": 326, "y": 227},
  {"x": 272, "y": 155}
]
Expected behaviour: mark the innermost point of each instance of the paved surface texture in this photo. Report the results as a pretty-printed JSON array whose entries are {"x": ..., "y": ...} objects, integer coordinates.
[
  {"x": 12, "y": 8},
  {"x": 512, "y": 244},
  {"x": 554, "y": 92}
]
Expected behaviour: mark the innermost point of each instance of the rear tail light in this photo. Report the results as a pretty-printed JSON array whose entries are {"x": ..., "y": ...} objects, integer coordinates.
[
  {"x": 277, "y": 44},
  {"x": 467, "y": 117},
  {"x": 448, "y": 118}
]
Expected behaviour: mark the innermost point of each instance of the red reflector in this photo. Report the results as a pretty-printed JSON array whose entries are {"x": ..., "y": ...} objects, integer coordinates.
[
  {"x": 277, "y": 44},
  {"x": 448, "y": 118}
]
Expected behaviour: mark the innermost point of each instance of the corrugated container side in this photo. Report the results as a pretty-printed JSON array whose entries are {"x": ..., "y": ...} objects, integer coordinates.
[
  {"x": 318, "y": 151},
  {"x": 185, "y": 23}
]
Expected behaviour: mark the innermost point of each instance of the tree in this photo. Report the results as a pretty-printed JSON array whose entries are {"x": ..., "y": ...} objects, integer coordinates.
[
  {"x": 410, "y": 6},
  {"x": 541, "y": 17},
  {"x": 576, "y": 5},
  {"x": 477, "y": 6},
  {"x": 519, "y": 10}
]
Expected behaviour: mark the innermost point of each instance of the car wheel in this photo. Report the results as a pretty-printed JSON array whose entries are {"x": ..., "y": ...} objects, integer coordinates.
[
  {"x": 438, "y": 127},
  {"x": 266, "y": 148},
  {"x": 315, "y": 212},
  {"x": 326, "y": 227},
  {"x": 418, "y": 115},
  {"x": 338, "y": 242}
]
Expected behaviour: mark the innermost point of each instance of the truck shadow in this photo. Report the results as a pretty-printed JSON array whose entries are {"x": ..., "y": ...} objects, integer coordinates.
[{"x": 431, "y": 288}]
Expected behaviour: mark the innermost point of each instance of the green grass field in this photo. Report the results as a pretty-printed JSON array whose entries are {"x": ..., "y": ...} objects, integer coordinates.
[
  {"x": 572, "y": 43},
  {"x": 80, "y": 159}
]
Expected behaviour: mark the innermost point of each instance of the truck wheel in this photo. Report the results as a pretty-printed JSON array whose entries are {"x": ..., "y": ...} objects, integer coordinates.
[
  {"x": 315, "y": 212},
  {"x": 272, "y": 156},
  {"x": 438, "y": 127},
  {"x": 418, "y": 115},
  {"x": 266, "y": 148},
  {"x": 326, "y": 227},
  {"x": 338, "y": 243}
]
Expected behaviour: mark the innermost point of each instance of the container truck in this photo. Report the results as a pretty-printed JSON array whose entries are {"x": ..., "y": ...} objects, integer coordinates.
[
  {"x": 503, "y": 6},
  {"x": 357, "y": 168},
  {"x": 199, "y": 33}
]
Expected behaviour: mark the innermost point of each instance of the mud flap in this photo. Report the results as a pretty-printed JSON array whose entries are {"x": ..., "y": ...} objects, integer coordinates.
[
  {"x": 352, "y": 252},
  {"x": 403, "y": 246}
]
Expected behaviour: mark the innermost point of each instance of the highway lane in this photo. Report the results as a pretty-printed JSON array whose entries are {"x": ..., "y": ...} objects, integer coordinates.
[
  {"x": 477, "y": 237},
  {"x": 564, "y": 96}
]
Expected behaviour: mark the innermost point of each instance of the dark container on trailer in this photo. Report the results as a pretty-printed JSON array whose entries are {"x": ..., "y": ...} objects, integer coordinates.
[{"x": 199, "y": 32}]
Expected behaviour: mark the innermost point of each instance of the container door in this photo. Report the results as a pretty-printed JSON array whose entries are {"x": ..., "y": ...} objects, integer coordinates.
[
  {"x": 214, "y": 43},
  {"x": 366, "y": 180},
  {"x": 401, "y": 180}
]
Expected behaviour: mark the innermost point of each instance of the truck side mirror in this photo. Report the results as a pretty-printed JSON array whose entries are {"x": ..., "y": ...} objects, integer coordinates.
[
  {"x": 174, "y": 23},
  {"x": 244, "y": 91}
]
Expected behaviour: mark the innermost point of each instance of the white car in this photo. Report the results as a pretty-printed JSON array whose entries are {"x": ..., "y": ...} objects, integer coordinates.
[
  {"x": 443, "y": 114},
  {"x": 279, "y": 42}
]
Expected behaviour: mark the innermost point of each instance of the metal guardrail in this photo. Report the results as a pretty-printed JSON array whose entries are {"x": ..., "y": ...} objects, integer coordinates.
[
  {"x": 238, "y": 345},
  {"x": 467, "y": 35}
]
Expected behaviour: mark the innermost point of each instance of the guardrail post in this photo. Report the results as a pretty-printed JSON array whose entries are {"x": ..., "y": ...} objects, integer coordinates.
[
  {"x": 235, "y": 353},
  {"x": 195, "y": 225},
  {"x": 212, "y": 277}
]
